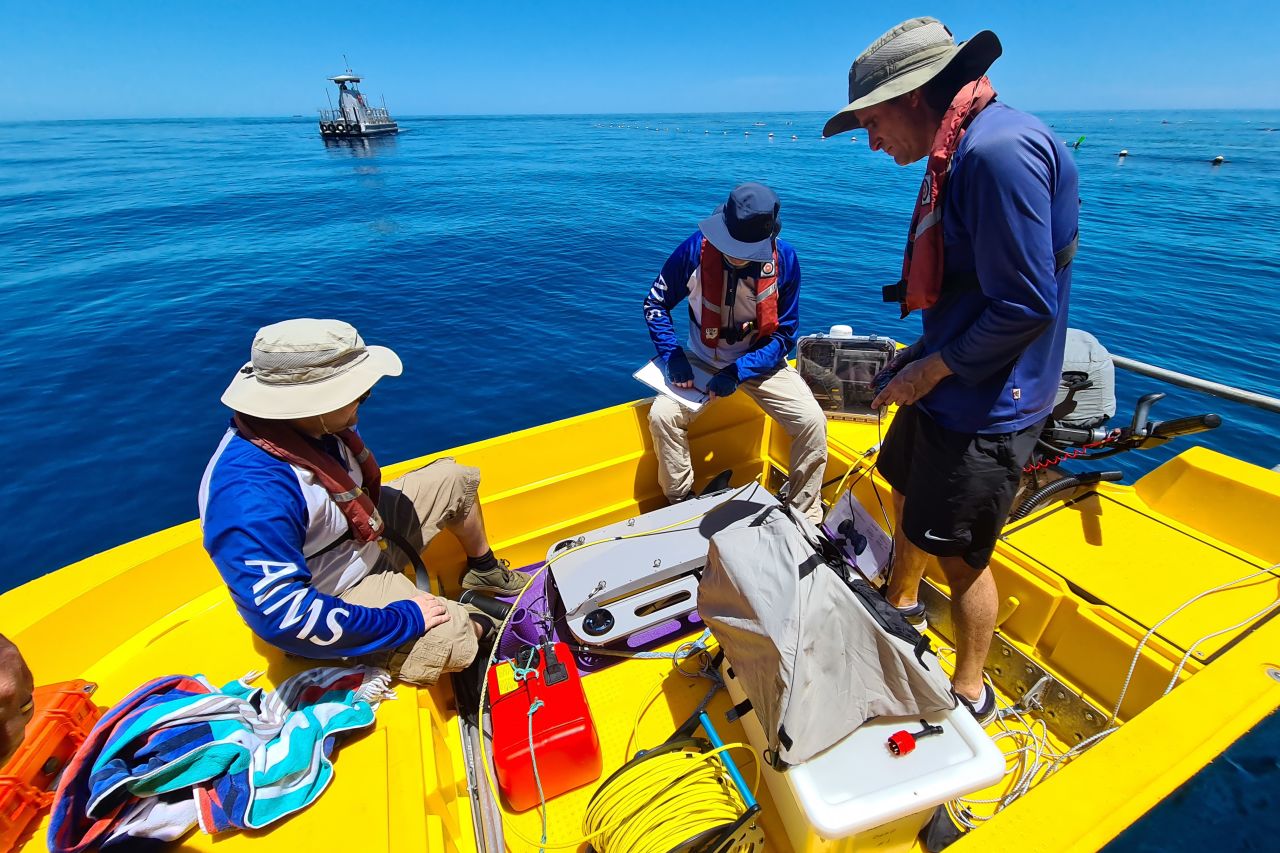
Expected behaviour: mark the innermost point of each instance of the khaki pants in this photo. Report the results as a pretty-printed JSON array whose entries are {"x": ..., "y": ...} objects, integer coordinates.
[
  {"x": 786, "y": 398},
  {"x": 417, "y": 506}
]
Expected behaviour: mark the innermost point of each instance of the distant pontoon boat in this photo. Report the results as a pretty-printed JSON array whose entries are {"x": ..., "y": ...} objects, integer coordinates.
[{"x": 354, "y": 117}]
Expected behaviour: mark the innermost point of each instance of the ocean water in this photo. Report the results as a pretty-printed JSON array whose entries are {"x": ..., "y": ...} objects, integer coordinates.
[{"x": 505, "y": 259}]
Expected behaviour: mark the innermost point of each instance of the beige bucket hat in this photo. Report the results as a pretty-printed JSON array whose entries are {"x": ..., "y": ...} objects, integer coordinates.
[
  {"x": 301, "y": 368},
  {"x": 905, "y": 58}
]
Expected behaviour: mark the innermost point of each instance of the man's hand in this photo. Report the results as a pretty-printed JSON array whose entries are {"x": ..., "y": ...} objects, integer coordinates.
[
  {"x": 723, "y": 383},
  {"x": 433, "y": 610},
  {"x": 913, "y": 382},
  {"x": 900, "y": 359},
  {"x": 679, "y": 371}
]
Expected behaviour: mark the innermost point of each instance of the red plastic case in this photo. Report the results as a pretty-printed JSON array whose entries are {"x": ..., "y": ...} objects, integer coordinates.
[
  {"x": 565, "y": 742},
  {"x": 64, "y": 715}
]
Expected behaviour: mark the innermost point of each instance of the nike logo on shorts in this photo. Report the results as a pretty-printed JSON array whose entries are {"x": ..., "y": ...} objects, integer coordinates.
[{"x": 928, "y": 534}]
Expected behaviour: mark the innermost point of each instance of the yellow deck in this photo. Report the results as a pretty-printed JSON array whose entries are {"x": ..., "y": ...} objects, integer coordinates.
[{"x": 1080, "y": 585}]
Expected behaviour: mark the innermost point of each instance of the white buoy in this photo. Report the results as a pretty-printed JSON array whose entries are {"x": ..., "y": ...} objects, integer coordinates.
[
  {"x": 771, "y": 136},
  {"x": 793, "y": 136},
  {"x": 746, "y": 133},
  {"x": 1124, "y": 152}
]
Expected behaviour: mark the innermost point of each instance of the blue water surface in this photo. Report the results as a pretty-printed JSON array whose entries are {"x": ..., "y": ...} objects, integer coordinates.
[{"x": 505, "y": 259}]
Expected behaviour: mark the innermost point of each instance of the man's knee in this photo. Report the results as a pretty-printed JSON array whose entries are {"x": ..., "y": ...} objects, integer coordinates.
[
  {"x": 665, "y": 417},
  {"x": 804, "y": 423},
  {"x": 452, "y": 474},
  {"x": 442, "y": 492},
  {"x": 446, "y": 648},
  {"x": 958, "y": 572}
]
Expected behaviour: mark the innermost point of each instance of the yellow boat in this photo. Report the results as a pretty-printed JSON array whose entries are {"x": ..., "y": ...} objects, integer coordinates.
[{"x": 1094, "y": 621}]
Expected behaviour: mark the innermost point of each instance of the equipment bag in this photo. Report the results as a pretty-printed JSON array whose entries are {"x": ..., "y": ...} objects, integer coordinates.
[{"x": 816, "y": 654}]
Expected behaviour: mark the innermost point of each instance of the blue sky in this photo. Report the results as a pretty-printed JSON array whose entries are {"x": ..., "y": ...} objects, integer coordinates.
[{"x": 106, "y": 59}]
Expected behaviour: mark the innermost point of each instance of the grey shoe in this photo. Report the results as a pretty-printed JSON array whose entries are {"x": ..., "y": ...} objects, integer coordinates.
[
  {"x": 499, "y": 580},
  {"x": 984, "y": 710},
  {"x": 915, "y": 614}
]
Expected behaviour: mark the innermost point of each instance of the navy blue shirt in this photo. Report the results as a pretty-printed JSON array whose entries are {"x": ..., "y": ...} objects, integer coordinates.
[{"x": 1012, "y": 201}]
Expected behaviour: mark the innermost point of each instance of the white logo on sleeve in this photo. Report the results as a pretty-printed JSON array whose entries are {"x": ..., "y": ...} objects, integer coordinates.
[{"x": 266, "y": 589}]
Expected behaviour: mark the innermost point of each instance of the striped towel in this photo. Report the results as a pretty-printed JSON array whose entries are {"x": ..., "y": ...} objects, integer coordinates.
[{"x": 179, "y": 751}]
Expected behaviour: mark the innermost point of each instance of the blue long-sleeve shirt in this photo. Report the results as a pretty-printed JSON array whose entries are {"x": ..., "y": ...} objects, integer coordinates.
[
  {"x": 260, "y": 517},
  {"x": 763, "y": 355},
  {"x": 1012, "y": 200}
]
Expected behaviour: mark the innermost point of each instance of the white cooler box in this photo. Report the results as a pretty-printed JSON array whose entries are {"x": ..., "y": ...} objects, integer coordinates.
[{"x": 858, "y": 796}]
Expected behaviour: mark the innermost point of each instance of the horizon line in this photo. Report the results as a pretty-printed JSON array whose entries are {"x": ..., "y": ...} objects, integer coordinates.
[{"x": 294, "y": 116}]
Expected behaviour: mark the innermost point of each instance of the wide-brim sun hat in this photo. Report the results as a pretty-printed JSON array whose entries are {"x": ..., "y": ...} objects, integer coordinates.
[
  {"x": 302, "y": 368},
  {"x": 745, "y": 225},
  {"x": 905, "y": 58}
]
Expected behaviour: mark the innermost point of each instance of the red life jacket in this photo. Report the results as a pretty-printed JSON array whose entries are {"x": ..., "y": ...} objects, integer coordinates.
[
  {"x": 922, "y": 263},
  {"x": 359, "y": 505},
  {"x": 713, "y": 276}
]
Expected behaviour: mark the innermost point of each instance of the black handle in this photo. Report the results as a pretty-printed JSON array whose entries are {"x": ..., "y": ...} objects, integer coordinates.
[
  {"x": 1091, "y": 477},
  {"x": 497, "y": 609},
  {"x": 555, "y": 671},
  {"x": 1186, "y": 426},
  {"x": 927, "y": 730}
]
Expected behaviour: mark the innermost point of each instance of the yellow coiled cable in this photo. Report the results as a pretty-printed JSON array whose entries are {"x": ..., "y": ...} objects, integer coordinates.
[{"x": 662, "y": 800}]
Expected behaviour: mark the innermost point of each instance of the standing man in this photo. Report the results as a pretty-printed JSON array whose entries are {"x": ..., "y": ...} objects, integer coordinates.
[
  {"x": 297, "y": 520},
  {"x": 743, "y": 287},
  {"x": 988, "y": 262}
]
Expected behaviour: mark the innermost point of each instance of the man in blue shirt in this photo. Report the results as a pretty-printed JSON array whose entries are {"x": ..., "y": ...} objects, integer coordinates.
[
  {"x": 988, "y": 261},
  {"x": 743, "y": 291},
  {"x": 297, "y": 521}
]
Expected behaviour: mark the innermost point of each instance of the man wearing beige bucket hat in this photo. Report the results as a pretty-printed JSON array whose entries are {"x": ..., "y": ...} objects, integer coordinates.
[
  {"x": 988, "y": 261},
  {"x": 297, "y": 520}
]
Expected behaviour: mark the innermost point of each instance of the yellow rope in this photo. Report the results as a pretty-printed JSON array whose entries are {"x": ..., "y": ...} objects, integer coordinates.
[{"x": 662, "y": 801}]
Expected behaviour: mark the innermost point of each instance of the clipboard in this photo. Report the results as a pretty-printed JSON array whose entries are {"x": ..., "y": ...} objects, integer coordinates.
[{"x": 654, "y": 375}]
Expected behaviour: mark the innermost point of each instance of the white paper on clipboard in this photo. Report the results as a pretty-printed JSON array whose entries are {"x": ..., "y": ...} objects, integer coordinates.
[{"x": 655, "y": 376}]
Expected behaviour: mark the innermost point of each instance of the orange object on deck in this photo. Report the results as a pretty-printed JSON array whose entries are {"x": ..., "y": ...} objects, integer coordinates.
[{"x": 64, "y": 715}]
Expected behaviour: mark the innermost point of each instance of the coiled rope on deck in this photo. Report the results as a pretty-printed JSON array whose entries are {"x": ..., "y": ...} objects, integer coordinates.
[{"x": 664, "y": 799}]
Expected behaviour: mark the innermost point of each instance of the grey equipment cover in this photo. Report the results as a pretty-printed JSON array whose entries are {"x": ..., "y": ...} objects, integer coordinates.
[
  {"x": 1084, "y": 359},
  {"x": 813, "y": 661}
]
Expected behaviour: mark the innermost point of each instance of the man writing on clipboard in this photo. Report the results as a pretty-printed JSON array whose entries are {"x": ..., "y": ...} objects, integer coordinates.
[{"x": 743, "y": 290}]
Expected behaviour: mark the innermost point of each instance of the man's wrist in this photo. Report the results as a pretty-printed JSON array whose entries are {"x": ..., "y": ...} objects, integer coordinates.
[{"x": 936, "y": 368}]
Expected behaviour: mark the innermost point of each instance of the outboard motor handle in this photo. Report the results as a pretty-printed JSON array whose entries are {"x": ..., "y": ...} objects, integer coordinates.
[{"x": 1165, "y": 430}]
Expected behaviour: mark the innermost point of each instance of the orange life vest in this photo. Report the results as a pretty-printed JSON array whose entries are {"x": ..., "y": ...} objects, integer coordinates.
[
  {"x": 714, "y": 277},
  {"x": 358, "y": 504}
]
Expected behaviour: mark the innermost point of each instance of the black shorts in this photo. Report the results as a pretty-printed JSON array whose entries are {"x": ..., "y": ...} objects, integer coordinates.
[{"x": 958, "y": 486}]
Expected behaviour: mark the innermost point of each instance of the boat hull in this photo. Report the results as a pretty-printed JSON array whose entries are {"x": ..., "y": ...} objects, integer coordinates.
[
  {"x": 338, "y": 130},
  {"x": 157, "y": 606}
]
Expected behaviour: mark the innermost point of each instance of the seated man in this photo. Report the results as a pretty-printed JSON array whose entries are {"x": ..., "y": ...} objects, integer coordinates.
[
  {"x": 743, "y": 286},
  {"x": 296, "y": 520},
  {"x": 16, "y": 707}
]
